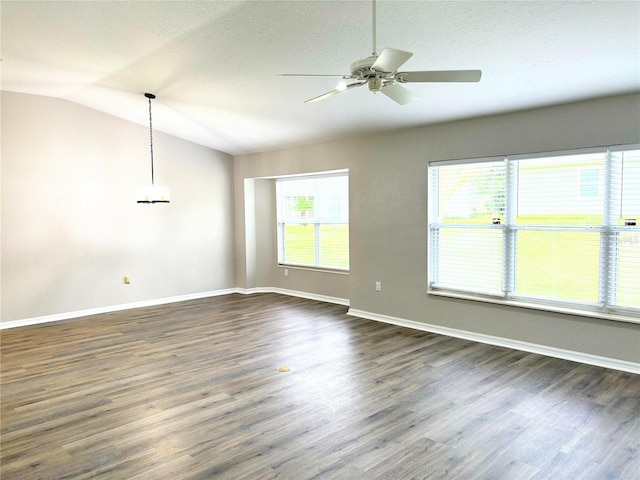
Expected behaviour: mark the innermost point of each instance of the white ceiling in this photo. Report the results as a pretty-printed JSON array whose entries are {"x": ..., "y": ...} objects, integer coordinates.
[{"x": 214, "y": 65}]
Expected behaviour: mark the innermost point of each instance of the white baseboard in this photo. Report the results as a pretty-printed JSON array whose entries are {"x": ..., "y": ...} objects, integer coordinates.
[
  {"x": 112, "y": 308},
  {"x": 161, "y": 301},
  {"x": 296, "y": 293},
  {"x": 606, "y": 362}
]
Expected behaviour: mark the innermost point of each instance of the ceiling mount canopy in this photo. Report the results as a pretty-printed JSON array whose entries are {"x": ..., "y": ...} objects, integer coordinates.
[{"x": 152, "y": 193}]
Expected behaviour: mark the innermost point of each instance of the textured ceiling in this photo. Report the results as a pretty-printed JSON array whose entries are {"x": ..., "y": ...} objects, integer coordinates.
[{"x": 214, "y": 65}]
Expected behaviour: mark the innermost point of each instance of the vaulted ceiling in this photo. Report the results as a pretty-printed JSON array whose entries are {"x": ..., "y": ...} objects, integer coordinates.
[{"x": 215, "y": 65}]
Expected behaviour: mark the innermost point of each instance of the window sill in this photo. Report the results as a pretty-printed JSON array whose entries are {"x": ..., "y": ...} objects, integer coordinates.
[
  {"x": 313, "y": 269},
  {"x": 535, "y": 306}
]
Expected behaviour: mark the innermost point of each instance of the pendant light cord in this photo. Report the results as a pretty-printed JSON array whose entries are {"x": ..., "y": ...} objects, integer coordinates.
[
  {"x": 152, "y": 194},
  {"x": 151, "y": 139}
]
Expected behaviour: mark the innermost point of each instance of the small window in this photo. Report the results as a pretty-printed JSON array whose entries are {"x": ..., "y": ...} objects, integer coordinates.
[{"x": 313, "y": 221}]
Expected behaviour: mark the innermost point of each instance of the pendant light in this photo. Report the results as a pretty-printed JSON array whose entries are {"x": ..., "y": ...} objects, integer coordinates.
[{"x": 153, "y": 193}]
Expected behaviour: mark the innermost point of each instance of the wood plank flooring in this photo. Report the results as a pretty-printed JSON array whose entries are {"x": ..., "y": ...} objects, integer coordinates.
[{"x": 190, "y": 391}]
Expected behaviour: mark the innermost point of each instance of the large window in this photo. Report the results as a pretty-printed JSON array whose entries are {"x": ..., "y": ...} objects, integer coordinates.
[
  {"x": 313, "y": 221},
  {"x": 557, "y": 229}
]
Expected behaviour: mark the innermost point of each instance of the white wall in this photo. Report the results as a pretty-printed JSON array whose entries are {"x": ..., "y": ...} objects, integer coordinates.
[
  {"x": 71, "y": 227},
  {"x": 388, "y": 219}
]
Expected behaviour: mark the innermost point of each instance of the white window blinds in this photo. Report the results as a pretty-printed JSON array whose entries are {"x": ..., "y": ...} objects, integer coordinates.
[
  {"x": 468, "y": 210},
  {"x": 313, "y": 221},
  {"x": 554, "y": 229},
  {"x": 623, "y": 260}
]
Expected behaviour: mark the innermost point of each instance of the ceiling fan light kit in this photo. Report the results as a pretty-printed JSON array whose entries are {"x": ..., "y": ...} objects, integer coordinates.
[
  {"x": 375, "y": 84},
  {"x": 152, "y": 193},
  {"x": 380, "y": 74}
]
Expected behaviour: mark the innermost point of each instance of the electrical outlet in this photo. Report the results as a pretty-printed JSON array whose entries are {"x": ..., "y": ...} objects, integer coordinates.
[
  {"x": 286, "y": 272},
  {"x": 378, "y": 286}
]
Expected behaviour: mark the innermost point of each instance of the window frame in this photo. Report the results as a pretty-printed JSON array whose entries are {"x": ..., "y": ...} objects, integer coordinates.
[{"x": 607, "y": 230}]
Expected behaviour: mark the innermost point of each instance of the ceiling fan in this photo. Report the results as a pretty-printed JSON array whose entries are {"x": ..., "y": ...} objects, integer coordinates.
[{"x": 380, "y": 73}]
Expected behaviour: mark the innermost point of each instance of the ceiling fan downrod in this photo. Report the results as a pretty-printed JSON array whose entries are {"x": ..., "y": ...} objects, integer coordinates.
[{"x": 375, "y": 54}]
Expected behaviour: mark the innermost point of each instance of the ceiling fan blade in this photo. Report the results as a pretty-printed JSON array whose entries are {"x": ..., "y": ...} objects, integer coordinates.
[
  {"x": 398, "y": 93},
  {"x": 335, "y": 92},
  {"x": 313, "y": 75},
  {"x": 439, "y": 76},
  {"x": 390, "y": 60}
]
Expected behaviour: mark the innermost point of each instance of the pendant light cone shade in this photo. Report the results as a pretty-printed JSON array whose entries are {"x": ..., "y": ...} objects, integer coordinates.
[{"x": 152, "y": 193}]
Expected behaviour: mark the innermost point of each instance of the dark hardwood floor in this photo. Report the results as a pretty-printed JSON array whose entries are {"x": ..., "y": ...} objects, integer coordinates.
[{"x": 191, "y": 391}]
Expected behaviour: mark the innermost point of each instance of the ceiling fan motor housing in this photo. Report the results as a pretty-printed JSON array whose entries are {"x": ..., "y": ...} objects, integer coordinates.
[{"x": 362, "y": 69}]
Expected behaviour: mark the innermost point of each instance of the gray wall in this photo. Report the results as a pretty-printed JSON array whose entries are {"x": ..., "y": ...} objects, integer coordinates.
[
  {"x": 256, "y": 247},
  {"x": 71, "y": 228},
  {"x": 388, "y": 192}
]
